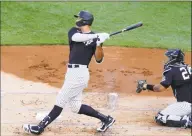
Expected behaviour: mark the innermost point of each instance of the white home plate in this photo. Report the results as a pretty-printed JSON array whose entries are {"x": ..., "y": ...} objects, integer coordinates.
[{"x": 41, "y": 115}]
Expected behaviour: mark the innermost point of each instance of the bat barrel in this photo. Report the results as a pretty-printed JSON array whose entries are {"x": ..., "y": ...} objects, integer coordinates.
[
  {"x": 139, "y": 24},
  {"x": 134, "y": 26}
]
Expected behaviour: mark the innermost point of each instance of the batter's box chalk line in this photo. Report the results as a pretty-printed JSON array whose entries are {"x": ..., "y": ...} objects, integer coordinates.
[
  {"x": 25, "y": 92},
  {"x": 83, "y": 124},
  {"x": 2, "y": 93},
  {"x": 50, "y": 92},
  {"x": 127, "y": 109}
]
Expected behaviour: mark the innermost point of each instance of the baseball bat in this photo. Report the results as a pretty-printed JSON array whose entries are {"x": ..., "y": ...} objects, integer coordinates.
[{"x": 134, "y": 26}]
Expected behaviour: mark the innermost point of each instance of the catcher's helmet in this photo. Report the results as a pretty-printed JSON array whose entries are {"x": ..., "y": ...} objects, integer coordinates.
[
  {"x": 174, "y": 56},
  {"x": 84, "y": 18}
]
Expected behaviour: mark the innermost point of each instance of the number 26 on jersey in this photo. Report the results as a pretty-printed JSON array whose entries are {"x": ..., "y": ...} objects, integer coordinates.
[{"x": 186, "y": 72}]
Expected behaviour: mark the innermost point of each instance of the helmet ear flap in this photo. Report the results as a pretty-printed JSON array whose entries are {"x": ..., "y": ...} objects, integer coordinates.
[
  {"x": 84, "y": 22},
  {"x": 87, "y": 22},
  {"x": 180, "y": 56},
  {"x": 87, "y": 18},
  {"x": 175, "y": 56}
]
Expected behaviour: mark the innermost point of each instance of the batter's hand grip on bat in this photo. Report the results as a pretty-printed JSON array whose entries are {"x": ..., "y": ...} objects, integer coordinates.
[{"x": 139, "y": 24}]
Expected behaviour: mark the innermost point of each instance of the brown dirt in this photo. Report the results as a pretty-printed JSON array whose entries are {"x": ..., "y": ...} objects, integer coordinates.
[{"x": 118, "y": 73}]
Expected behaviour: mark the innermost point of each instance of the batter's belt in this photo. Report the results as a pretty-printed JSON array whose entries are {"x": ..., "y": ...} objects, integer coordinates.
[{"x": 77, "y": 66}]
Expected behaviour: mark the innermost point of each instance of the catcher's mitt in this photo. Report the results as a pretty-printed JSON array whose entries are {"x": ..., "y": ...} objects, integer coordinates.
[{"x": 140, "y": 84}]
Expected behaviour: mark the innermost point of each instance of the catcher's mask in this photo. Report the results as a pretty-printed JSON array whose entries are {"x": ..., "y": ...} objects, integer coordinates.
[
  {"x": 174, "y": 56},
  {"x": 84, "y": 18}
]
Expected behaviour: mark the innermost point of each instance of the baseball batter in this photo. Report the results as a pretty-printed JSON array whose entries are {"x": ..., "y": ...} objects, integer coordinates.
[
  {"x": 176, "y": 74},
  {"x": 83, "y": 45}
]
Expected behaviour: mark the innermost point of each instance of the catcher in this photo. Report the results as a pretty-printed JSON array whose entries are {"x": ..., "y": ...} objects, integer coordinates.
[{"x": 176, "y": 74}]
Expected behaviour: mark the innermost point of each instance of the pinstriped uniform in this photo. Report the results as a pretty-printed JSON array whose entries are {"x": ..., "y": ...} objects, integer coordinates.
[
  {"x": 178, "y": 109},
  {"x": 76, "y": 79}
]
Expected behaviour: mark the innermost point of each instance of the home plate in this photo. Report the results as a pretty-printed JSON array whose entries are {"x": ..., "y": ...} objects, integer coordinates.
[{"x": 41, "y": 115}]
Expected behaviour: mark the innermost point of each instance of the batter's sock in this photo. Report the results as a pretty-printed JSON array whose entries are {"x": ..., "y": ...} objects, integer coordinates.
[
  {"x": 89, "y": 111},
  {"x": 55, "y": 112}
]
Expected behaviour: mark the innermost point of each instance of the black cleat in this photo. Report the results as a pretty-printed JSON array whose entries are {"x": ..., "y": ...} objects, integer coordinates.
[
  {"x": 105, "y": 125},
  {"x": 33, "y": 129}
]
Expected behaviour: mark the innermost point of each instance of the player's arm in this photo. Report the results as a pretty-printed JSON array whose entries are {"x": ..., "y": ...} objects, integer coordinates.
[
  {"x": 75, "y": 35},
  {"x": 164, "y": 84},
  {"x": 79, "y": 37},
  {"x": 99, "y": 54},
  {"x": 154, "y": 88}
]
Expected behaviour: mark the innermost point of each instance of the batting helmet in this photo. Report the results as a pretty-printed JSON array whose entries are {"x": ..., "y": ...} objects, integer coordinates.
[
  {"x": 85, "y": 18},
  {"x": 174, "y": 56}
]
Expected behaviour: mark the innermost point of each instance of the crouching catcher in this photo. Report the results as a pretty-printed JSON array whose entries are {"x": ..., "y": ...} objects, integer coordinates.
[{"x": 176, "y": 74}]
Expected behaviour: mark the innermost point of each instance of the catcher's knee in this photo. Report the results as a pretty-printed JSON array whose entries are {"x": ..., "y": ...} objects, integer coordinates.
[
  {"x": 171, "y": 120},
  {"x": 161, "y": 119}
]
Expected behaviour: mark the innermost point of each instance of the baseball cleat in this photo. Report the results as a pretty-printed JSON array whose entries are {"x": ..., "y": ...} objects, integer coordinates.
[
  {"x": 32, "y": 129},
  {"x": 106, "y": 125}
]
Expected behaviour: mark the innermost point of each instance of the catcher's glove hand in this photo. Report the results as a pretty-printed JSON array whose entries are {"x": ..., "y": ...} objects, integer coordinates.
[{"x": 140, "y": 85}]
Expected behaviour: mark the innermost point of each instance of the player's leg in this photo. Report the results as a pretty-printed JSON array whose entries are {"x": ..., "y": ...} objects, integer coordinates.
[
  {"x": 38, "y": 129},
  {"x": 107, "y": 121},
  {"x": 61, "y": 100},
  {"x": 77, "y": 107},
  {"x": 175, "y": 115}
]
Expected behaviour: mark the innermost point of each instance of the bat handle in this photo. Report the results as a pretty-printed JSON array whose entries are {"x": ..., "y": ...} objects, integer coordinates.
[{"x": 115, "y": 33}]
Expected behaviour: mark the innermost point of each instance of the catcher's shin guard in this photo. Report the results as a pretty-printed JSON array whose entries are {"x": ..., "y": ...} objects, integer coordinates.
[{"x": 172, "y": 120}]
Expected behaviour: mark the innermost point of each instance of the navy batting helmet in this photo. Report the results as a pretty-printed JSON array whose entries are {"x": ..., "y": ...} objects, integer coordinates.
[
  {"x": 174, "y": 56},
  {"x": 84, "y": 18}
]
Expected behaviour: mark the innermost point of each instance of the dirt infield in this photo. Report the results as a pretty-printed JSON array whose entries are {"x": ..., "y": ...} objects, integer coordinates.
[{"x": 118, "y": 73}]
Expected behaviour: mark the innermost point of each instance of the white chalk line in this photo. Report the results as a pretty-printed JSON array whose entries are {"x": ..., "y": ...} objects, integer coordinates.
[
  {"x": 62, "y": 123},
  {"x": 122, "y": 108},
  {"x": 101, "y": 109},
  {"x": 29, "y": 93},
  {"x": 39, "y": 92},
  {"x": 82, "y": 125}
]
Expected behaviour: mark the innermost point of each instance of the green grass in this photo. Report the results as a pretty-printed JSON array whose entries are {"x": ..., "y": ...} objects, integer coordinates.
[{"x": 166, "y": 24}]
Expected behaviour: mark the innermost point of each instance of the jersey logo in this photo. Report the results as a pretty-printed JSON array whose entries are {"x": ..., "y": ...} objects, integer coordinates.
[{"x": 88, "y": 42}]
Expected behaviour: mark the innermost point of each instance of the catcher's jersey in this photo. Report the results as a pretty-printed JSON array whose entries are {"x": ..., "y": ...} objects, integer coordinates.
[
  {"x": 80, "y": 52},
  {"x": 179, "y": 78}
]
